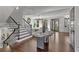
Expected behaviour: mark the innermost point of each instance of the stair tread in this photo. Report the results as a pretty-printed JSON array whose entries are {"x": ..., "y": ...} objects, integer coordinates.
[
  {"x": 24, "y": 36},
  {"x": 24, "y": 33}
]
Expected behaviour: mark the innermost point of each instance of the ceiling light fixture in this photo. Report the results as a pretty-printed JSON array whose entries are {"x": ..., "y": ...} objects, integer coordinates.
[{"x": 17, "y": 7}]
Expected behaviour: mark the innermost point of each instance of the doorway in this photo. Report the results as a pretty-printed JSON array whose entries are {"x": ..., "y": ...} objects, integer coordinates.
[{"x": 55, "y": 25}]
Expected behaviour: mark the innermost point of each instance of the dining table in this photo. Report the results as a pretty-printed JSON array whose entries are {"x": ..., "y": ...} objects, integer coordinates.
[{"x": 42, "y": 38}]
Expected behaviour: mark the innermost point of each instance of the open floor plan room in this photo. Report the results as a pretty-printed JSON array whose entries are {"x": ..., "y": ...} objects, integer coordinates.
[{"x": 39, "y": 28}]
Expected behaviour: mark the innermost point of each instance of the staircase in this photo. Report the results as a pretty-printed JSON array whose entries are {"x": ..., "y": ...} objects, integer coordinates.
[
  {"x": 24, "y": 33},
  {"x": 18, "y": 32}
]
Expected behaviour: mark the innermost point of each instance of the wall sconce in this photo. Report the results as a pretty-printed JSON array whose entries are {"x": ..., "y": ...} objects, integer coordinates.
[{"x": 67, "y": 16}]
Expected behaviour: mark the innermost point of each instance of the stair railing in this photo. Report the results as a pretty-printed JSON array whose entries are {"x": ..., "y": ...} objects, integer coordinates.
[
  {"x": 29, "y": 25},
  {"x": 15, "y": 32}
]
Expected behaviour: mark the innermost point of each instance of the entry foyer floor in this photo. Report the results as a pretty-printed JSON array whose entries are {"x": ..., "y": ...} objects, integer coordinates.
[{"x": 59, "y": 43}]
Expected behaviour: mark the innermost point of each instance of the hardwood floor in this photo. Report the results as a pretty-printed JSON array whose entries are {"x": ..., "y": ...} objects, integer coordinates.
[
  {"x": 26, "y": 46},
  {"x": 59, "y": 44}
]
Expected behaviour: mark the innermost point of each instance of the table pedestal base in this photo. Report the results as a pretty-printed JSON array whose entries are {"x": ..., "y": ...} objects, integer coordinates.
[{"x": 46, "y": 46}]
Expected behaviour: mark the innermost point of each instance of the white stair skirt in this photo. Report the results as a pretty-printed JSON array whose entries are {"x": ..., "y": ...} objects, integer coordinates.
[{"x": 24, "y": 39}]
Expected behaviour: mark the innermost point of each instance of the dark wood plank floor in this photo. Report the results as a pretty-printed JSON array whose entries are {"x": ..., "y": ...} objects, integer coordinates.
[{"x": 59, "y": 44}]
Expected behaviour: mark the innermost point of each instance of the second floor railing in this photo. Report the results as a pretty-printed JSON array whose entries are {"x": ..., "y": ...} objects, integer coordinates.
[{"x": 27, "y": 26}]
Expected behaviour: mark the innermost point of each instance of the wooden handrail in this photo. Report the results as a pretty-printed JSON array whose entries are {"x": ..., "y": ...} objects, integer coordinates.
[
  {"x": 13, "y": 30},
  {"x": 13, "y": 20},
  {"x": 26, "y": 21}
]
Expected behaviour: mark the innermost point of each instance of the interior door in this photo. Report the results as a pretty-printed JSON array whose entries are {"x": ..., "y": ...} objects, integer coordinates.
[
  {"x": 72, "y": 32},
  {"x": 55, "y": 25}
]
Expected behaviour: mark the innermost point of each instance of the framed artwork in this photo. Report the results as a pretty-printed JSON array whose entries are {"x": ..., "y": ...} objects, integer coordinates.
[{"x": 28, "y": 20}]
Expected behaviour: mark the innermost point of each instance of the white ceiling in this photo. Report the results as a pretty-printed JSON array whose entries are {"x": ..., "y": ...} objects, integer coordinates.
[
  {"x": 5, "y": 11},
  {"x": 45, "y": 10}
]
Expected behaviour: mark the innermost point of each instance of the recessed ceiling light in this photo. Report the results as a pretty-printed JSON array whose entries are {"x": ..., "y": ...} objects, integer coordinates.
[{"x": 17, "y": 7}]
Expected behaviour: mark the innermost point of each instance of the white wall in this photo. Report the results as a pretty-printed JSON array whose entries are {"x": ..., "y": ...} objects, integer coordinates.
[
  {"x": 61, "y": 24},
  {"x": 74, "y": 37},
  {"x": 5, "y": 11},
  {"x": 17, "y": 15},
  {"x": 40, "y": 23},
  {"x": 49, "y": 24},
  {"x": 76, "y": 28}
]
